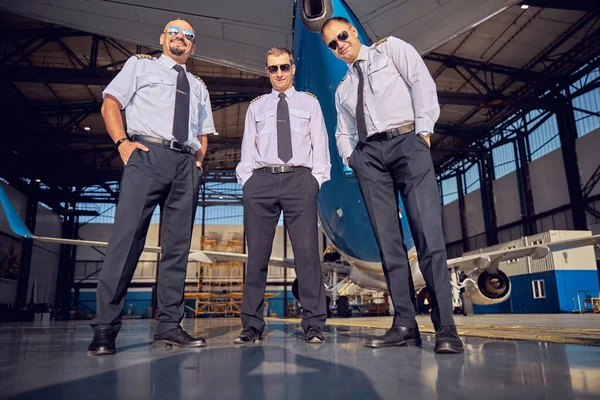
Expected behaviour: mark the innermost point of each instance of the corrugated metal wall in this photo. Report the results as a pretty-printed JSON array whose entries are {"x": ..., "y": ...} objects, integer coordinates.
[{"x": 570, "y": 282}]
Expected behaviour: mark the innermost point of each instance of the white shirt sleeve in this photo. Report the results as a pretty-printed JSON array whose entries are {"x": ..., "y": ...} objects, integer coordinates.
[
  {"x": 124, "y": 85},
  {"x": 246, "y": 166},
  {"x": 320, "y": 144},
  {"x": 344, "y": 137},
  {"x": 206, "y": 123},
  {"x": 412, "y": 68}
]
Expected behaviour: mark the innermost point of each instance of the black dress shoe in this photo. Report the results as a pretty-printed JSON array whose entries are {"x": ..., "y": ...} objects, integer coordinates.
[
  {"x": 314, "y": 334},
  {"x": 396, "y": 336},
  {"x": 447, "y": 341},
  {"x": 249, "y": 335},
  {"x": 103, "y": 343},
  {"x": 178, "y": 337}
]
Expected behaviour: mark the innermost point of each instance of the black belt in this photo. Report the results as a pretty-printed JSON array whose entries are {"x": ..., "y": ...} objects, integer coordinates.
[
  {"x": 279, "y": 169},
  {"x": 169, "y": 144},
  {"x": 392, "y": 133}
]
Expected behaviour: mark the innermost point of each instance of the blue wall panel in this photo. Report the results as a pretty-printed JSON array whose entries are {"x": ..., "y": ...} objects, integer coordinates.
[{"x": 569, "y": 282}]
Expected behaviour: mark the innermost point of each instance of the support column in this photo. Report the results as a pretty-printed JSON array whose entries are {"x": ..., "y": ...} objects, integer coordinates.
[
  {"x": 462, "y": 211},
  {"x": 527, "y": 210},
  {"x": 486, "y": 176},
  {"x": 567, "y": 130},
  {"x": 66, "y": 268},
  {"x": 27, "y": 249}
]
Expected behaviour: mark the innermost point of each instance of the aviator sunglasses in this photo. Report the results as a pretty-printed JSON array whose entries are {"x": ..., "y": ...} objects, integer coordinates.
[
  {"x": 341, "y": 37},
  {"x": 174, "y": 31},
  {"x": 284, "y": 68}
]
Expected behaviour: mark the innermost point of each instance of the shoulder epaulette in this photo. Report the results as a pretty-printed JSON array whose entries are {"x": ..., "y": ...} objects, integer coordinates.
[
  {"x": 310, "y": 94},
  {"x": 381, "y": 41},
  {"x": 201, "y": 81},
  {"x": 140, "y": 56},
  {"x": 340, "y": 84},
  {"x": 256, "y": 98}
]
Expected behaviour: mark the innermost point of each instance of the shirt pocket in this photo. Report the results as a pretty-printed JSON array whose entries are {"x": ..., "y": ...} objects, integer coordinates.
[
  {"x": 265, "y": 123},
  {"x": 299, "y": 120},
  {"x": 300, "y": 124},
  {"x": 381, "y": 74},
  {"x": 159, "y": 80}
]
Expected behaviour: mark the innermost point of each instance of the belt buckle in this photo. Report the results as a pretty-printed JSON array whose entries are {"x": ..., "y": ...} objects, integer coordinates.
[
  {"x": 171, "y": 145},
  {"x": 280, "y": 169}
]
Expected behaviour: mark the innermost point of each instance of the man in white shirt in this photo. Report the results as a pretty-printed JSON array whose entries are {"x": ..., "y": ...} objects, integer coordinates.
[
  {"x": 284, "y": 162},
  {"x": 168, "y": 117},
  {"x": 387, "y": 107}
]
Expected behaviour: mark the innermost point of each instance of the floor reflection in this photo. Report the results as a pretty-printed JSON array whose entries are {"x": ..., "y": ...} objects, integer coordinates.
[{"x": 50, "y": 362}]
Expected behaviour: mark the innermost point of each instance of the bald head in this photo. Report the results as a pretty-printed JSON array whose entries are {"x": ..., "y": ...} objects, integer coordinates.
[{"x": 178, "y": 40}]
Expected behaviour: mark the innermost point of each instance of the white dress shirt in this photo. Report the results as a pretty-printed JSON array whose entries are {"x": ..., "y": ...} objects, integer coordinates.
[
  {"x": 398, "y": 90},
  {"x": 310, "y": 146},
  {"x": 146, "y": 89}
]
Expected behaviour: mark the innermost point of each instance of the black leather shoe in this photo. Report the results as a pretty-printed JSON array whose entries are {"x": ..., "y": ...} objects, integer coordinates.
[
  {"x": 314, "y": 334},
  {"x": 249, "y": 335},
  {"x": 396, "y": 336},
  {"x": 447, "y": 341},
  {"x": 177, "y": 337},
  {"x": 103, "y": 343}
]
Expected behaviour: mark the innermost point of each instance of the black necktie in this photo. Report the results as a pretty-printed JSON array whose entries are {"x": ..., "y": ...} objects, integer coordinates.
[
  {"x": 284, "y": 132},
  {"x": 181, "y": 119},
  {"x": 361, "y": 124}
]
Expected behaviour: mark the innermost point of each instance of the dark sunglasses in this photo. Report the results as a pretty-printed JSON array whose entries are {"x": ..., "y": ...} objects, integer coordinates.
[
  {"x": 284, "y": 68},
  {"x": 174, "y": 31},
  {"x": 341, "y": 37}
]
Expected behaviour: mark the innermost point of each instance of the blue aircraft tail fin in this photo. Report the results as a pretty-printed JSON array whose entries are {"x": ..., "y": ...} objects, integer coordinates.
[{"x": 14, "y": 221}]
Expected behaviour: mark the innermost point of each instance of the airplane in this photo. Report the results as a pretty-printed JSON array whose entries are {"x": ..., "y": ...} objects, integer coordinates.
[{"x": 238, "y": 34}]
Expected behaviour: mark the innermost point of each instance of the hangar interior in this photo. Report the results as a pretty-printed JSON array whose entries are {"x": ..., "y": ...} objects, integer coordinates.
[
  {"x": 516, "y": 156},
  {"x": 515, "y": 148}
]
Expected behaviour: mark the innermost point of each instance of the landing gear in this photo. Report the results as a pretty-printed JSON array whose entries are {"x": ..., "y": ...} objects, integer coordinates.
[{"x": 343, "y": 307}]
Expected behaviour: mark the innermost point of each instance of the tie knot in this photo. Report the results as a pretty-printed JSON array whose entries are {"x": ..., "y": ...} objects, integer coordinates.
[
  {"x": 178, "y": 68},
  {"x": 282, "y": 96}
]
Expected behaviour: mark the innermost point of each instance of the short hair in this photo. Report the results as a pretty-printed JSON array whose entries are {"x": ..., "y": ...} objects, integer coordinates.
[
  {"x": 330, "y": 21},
  {"x": 277, "y": 51}
]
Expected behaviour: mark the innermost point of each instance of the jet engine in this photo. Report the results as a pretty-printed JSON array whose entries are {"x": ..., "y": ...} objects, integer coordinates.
[{"x": 488, "y": 288}]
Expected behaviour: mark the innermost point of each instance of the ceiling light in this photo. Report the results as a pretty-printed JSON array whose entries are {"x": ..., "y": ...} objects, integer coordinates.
[
  {"x": 524, "y": 6},
  {"x": 220, "y": 197},
  {"x": 37, "y": 180},
  {"x": 87, "y": 128},
  {"x": 216, "y": 134}
]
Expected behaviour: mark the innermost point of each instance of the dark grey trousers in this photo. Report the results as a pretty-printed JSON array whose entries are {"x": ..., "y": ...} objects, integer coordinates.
[
  {"x": 404, "y": 164},
  {"x": 265, "y": 196},
  {"x": 159, "y": 177}
]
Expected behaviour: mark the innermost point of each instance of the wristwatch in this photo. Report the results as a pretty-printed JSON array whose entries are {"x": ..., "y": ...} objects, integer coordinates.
[{"x": 424, "y": 134}]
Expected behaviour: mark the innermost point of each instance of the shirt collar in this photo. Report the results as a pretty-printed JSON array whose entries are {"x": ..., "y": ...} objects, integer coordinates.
[
  {"x": 169, "y": 62},
  {"x": 363, "y": 55},
  {"x": 288, "y": 93}
]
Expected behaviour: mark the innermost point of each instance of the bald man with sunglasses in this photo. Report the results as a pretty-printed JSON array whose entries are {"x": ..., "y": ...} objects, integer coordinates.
[
  {"x": 387, "y": 106},
  {"x": 284, "y": 162},
  {"x": 168, "y": 117}
]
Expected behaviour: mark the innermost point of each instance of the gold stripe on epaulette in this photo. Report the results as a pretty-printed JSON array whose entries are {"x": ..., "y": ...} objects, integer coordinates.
[
  {"x": 340, "y": 84},
  {"x": 201, "y": 81},
  {"x": 140, "y": 56},
  {"x": 256, "y": 98},
  {"x": 381, "y": 40},
  {"x": 310, "y": 94}
]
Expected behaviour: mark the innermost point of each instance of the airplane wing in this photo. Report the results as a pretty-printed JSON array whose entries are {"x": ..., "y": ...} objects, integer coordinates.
[
  {"x": 490, "y": 260},
  {"x": 238, "y": 33}
]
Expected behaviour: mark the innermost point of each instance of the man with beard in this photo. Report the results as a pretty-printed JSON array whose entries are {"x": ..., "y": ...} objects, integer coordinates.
[{"x": 168, "y": 117}]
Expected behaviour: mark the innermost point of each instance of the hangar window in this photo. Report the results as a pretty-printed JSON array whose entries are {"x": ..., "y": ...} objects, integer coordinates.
[{"x": 539, "y": 291}]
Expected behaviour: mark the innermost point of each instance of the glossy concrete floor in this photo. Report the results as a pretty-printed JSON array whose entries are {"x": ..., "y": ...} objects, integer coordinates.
[{"x": 48, "y": 360}]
